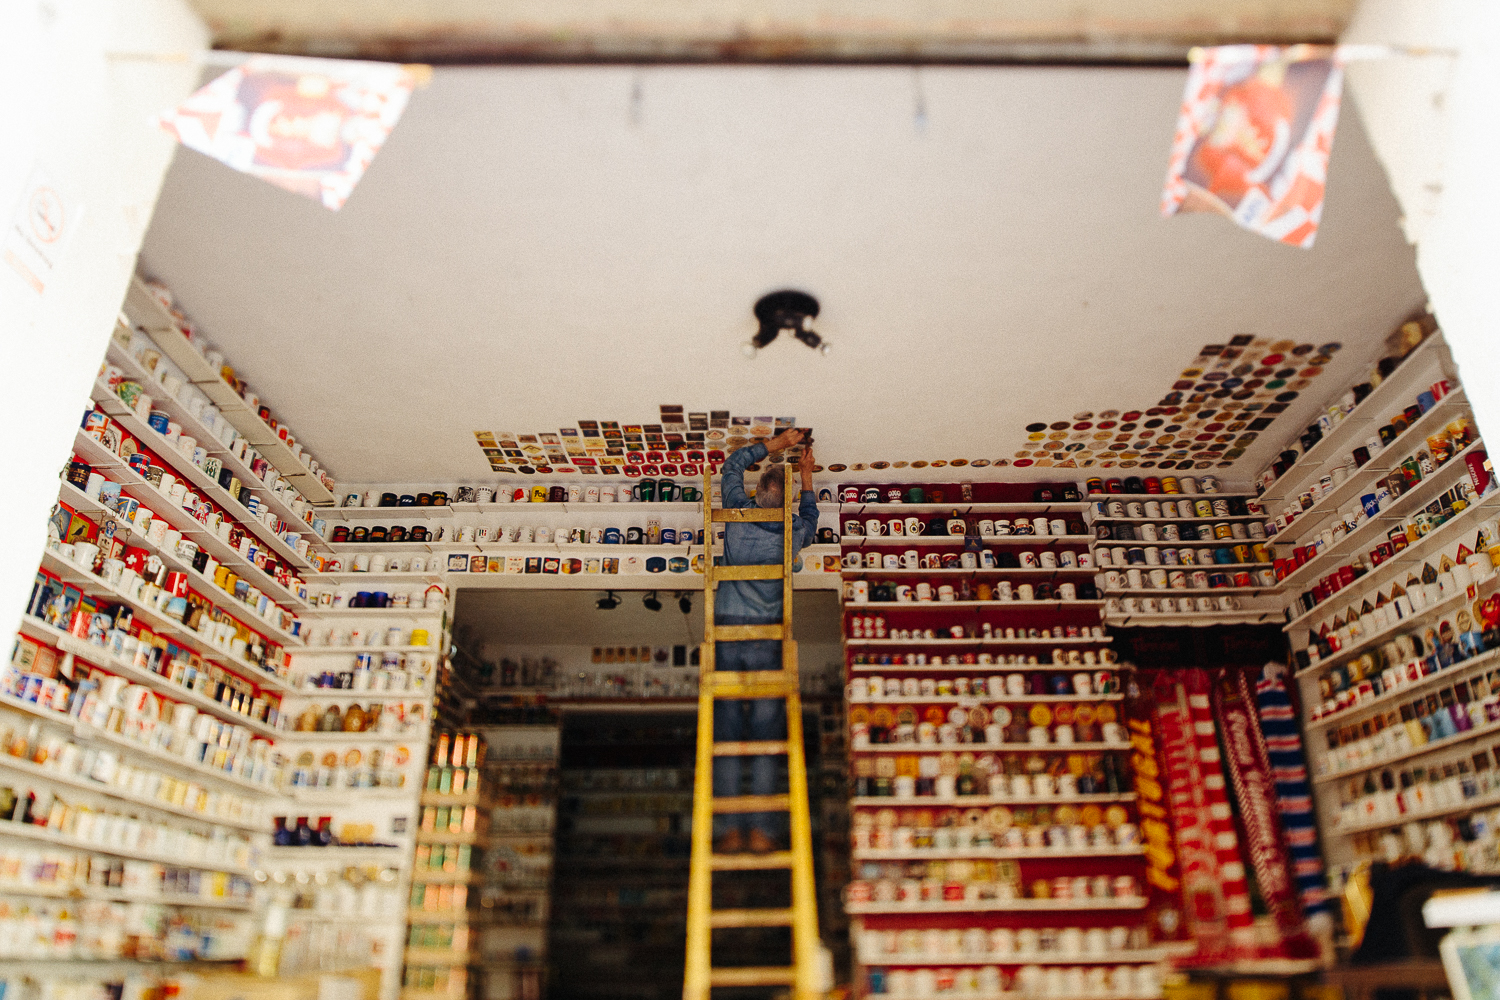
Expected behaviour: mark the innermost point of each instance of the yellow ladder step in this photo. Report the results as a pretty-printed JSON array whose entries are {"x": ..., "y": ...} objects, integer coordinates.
[
  {"x": 747, "y": 514},
  {"x": 752, "y": 803},
  {"x": 772, "y": 572},
  {"x": 753, "y": 975},
  {"x": 740, "y": 633},
  {"x": 748, "y": 748},
  {"x": 750, "y": 918},
  {"x": 751, "y": 862}
]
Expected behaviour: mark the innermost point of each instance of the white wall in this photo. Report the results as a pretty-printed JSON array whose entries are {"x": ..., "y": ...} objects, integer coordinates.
[
  {"x": 80, "y": 90},
  {"x": 1431, "y": 119}
]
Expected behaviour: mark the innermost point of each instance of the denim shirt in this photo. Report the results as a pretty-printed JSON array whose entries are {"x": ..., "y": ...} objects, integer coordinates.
[{"x": 756, "y": 543}]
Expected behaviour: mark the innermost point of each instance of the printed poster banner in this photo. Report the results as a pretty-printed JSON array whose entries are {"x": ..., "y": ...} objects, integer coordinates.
[
  {"x": 311, "y": 126},
  {"x": 1253, "y": 138}
]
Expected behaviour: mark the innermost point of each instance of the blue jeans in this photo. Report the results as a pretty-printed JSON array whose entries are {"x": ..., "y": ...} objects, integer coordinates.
[{"x": 750, "y": 719}]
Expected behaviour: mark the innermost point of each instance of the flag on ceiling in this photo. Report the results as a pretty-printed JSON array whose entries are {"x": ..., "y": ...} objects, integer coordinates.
[
  {"x": 1253, "y": 138},
  {"x": 311, "y": 126}
]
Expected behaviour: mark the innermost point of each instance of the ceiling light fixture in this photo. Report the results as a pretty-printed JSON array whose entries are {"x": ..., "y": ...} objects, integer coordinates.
[
  {"x": 651, "y": 602},
  {"x": 608, "y": 602},
  {"x": 788, "y": 310},
  {"x": 685, "y": 603}
]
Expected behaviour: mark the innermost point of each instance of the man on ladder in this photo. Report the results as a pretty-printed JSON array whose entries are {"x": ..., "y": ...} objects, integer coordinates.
[
  {"x": 755, "y": 602},
  {"x": 750, "y": 708}
]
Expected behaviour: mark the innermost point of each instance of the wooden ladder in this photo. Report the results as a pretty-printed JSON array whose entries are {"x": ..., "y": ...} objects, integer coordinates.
[{"x": 802, "y": 917}]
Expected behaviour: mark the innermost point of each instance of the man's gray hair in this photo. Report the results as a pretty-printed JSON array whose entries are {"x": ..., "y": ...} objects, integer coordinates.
[{"x": 769, "y": 491}]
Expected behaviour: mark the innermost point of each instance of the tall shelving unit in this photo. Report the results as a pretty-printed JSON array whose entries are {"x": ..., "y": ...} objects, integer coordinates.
[
  {"x": 1393, "y": 695},
  {"x": 993, "y": 845}
]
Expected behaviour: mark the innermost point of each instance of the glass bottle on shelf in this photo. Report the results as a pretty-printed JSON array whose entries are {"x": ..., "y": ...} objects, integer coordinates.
[
  {"x": 304, "y": 834},
  {"x": 282, "y": 837}
]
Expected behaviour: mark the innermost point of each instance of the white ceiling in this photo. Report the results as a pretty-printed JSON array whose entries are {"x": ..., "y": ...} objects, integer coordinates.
[{"x": 535, "y": 246}]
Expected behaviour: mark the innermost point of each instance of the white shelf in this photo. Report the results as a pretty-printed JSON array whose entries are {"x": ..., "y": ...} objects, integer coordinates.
[
  {"x": 1240, "y": 617},
  {"x": 1450, "y": 532},
  {"x": 1034, "y": 507},
  {"x": 929, "y": 605},
  {"x": 159, "y": 623},
  {"x": 1094, "y": 498},
  {"x": 292, "y": 737},
  {"x": 353, "y": 577},
  {"x": 188, "y": 473},
  {"x": 1016, "y": 747},
  {"x": 1190, "y": 591},
  {"x": 53, "y": 891},
  {"x": 182, "y": 765},
  {"x": 999, "y": 905},
  {"x": 1175, "y": 519},
  {"x": 917, "y": 541},
  {"x": 99, "y": 657},
  {"x": 1044, "y": 640},
  {"x": 1043, "y": 958},
  {"x": 146, "y": 311},
  {"x": 133, "y": 484},
  {"x": 1417, "y": 620},
  {"x": 1173, "y": 543},
  {"x": 42, "y": 773},
  {"x": 82, "y": 503},
  {"x": 1364, "y": 478},
  {"x": 1433, "y": 746},
  {"x": 987, "y": 699},
  {"x": 193, "y": 427},
  {"x": 617, "y": 581},
  {"x": 858, "y": 571},
  {"x": 352, "y": 650},
  {"x": 1398, "y": 388},
  {"x": 351, "y": 695},
  {"x": 997, "y": 853},
  {"x": 1450, "y": 675},
  {"x": 1467, "y": 806},
  {"x": 45, "y": 835},
  {"x": 880, "y": 801}
]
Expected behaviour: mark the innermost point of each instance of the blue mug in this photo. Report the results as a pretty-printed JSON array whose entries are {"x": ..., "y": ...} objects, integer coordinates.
[
  {"x": 611, "y": 536},
  {"x": 1371, "y": 503},
  {"x": 158, "y": 421},
  {"x": 669, "y": 536}
]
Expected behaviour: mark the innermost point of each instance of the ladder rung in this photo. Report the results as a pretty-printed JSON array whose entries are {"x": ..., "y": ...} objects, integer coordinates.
[
  {"x": 752, "y": 803},
  {"x": 748, "y": 514},
  {"x": 753, "y": 975},
  {"x": 740, "y": 633},
  {"x": 756, "y": 572},
  {"x": 750, "y": 918},
  {"x": 751, "y": 862},
  {"x": 762, "y": 748},
  {"x": 752, "y": 678}
]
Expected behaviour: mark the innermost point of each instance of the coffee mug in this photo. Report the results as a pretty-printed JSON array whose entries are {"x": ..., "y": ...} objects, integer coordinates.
[{"x": 874, "y": 527}]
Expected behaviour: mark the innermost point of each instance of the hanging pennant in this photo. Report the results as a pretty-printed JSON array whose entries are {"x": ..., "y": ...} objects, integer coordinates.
[
  {"x": 1253, "y": 138},
  {"x": 311, "y": 126}
]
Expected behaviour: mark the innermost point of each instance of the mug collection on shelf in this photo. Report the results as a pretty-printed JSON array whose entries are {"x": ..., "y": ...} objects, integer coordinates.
[
  {"x": 214, "y": 358},
  {"x": 1036, "y": 831},
  {"x": 1424, "y": 590},
  {"x": 1419, "y": 792},
  {"x": 1151, "y": 485},
  {"x": 912, "y": 883},
  {"x": 58, "y": 753},
  {"x": 93, "y": 930},
  {"x": 991, "y": 982},
  {"x": 1479, "y": 561},
  {"x": 1001, "y": 775},
  {"x": 137, "y": 715},
  {"x": 996, "y": 687},
  {"x": 1357, "y": 455},
  {"x": 956, "y": 525},
  {"x": 1454, "y": 441},
  {"x": 645, "y": 491},
  {"x": 149, "y": 469},
  {"x": 1398, "y": 664}
]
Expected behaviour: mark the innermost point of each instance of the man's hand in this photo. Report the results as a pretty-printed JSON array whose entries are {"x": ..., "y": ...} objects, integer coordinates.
[
  {"x": 805, "y": 467},
  {"x": 784, "y": 440}
]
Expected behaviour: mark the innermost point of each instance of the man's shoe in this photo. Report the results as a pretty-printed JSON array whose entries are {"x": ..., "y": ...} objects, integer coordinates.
[
  {"x": 733, "y": 842},
  {"x": 761, "y": 843}
]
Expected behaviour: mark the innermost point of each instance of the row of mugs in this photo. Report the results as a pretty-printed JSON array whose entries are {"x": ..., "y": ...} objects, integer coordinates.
[
  {"x": 987, "y": 982},
  {"x": 924, "y": 592},
  {"x": 875, "y": 687},
  {"x": 1004, "y": 942},
  {"x": 969, "y": 559},
  {"x": 1116, "y": 606},
  {"x": 645, "y": 491},
  {"x": 874, "y": 527},
  {"x": 1135, "y": 578}
]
